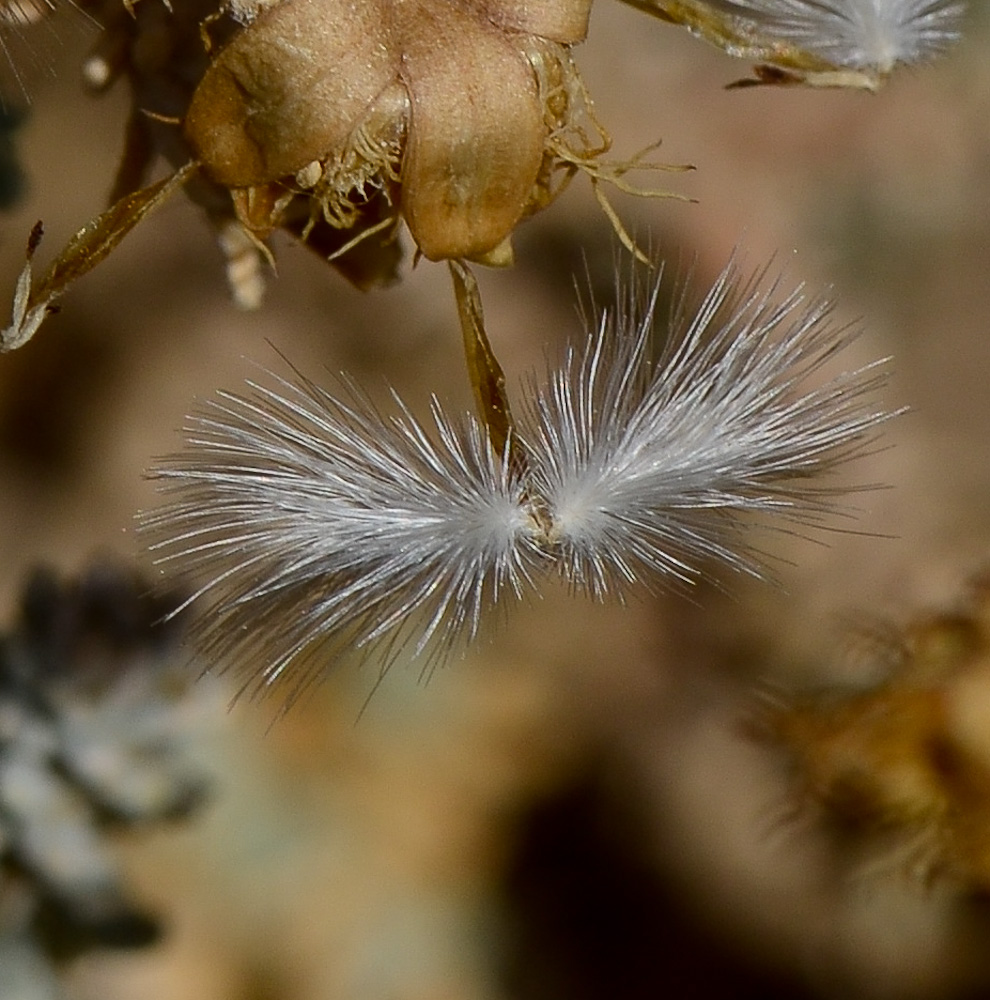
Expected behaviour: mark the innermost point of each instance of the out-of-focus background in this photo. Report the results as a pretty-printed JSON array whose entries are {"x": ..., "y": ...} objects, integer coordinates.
[{"x": 575, "y": 811}]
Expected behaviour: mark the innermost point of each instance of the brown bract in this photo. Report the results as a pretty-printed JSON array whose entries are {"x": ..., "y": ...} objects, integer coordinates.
[{"x": 437, "y": 107}]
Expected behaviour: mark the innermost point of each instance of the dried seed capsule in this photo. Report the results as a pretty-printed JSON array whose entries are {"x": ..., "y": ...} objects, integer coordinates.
[
  {"x": 288, "y": 89},
  {"x": 435, "y": 101},
  {"x": 476, "y": 141}
]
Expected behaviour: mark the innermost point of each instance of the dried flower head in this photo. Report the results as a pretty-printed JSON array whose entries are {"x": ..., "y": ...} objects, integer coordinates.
[
  {"x": 435, "y": 106},
  {"x": 337, "y": 121},
  {"x": 315, "y": 522}
]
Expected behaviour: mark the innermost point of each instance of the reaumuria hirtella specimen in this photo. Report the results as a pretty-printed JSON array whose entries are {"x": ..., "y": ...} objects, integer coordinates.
[
  {"x": 318, "y": 522},
  {"x": 340, "y": 122}
]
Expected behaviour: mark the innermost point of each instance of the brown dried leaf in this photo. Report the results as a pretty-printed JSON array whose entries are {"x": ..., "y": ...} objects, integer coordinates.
[{"x": 95, "y": 241}]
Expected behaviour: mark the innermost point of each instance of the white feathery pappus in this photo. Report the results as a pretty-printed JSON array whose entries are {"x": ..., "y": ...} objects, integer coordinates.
[
  {"x": 860, "y": 34},
  {"x": 820, "y": 43},
  {"x": 32, "y": 35},
  {"x": 315, "y": 522}
]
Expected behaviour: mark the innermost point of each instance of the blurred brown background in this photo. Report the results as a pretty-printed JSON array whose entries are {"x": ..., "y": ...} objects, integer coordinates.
[{"x": 574, "y": 811}]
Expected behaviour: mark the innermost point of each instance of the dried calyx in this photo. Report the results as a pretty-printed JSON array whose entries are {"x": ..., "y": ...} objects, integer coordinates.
[
  {"x": 337, "y": 121},
  {"x": 443, "y": 110}
]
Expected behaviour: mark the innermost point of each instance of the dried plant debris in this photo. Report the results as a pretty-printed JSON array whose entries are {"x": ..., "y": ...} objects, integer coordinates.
[
  {"x": 820, "y": 43},
  {"x": 319, "y": 523},
  {"x": 95, "y": 709},
  {"x": 904, "y": 768},
  {"x": 338, "y": 121},
  {"x": 33, "y": 301}
]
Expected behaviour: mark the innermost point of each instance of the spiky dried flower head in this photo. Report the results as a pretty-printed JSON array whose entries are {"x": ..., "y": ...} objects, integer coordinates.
[{"x": 315, "y": 522}]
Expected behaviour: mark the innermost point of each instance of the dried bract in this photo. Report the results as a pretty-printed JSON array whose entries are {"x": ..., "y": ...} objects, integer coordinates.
[{"x": 33, "y": 301}]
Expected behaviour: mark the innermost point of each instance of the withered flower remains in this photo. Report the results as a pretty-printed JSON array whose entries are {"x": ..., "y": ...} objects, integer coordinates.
[
  {"x": 449, "y": 111},
  {"x": 338, "y": 120}
]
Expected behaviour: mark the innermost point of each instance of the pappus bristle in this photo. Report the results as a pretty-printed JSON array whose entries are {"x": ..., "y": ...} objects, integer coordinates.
[
  {"x": 647, "y": 468},
  {"x": 319, "y": 523},
  {"x": 859, "y": 34}
]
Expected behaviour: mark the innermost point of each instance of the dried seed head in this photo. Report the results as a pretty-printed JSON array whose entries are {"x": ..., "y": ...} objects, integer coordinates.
[
  {"x": 22, "y": 12},
  {"x": 337, "y": 120},
  {"x": 318, "y": 523},
  {"x": 905, "y": 767},
  {"x": 456, "y": 114},
  {"x": 872, "y": 35}
]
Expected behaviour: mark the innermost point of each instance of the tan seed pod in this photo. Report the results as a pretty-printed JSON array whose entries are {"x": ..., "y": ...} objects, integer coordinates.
[
  {"x": 435, "y": 102},
  {"x": 476, "y": 138}
]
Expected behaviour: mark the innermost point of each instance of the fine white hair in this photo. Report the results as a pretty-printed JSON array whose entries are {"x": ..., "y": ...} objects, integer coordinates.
[
  {"x": 857, "y": 34},
  {"x": 315, "y": 522}
]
